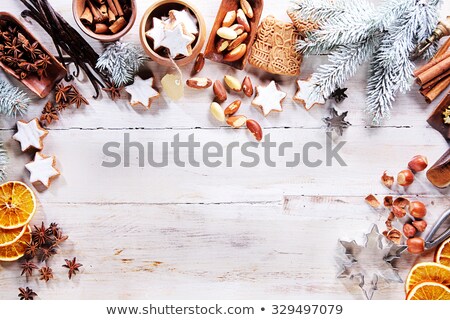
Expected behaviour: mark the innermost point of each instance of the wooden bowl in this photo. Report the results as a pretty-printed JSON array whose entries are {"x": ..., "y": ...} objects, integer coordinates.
[
  {"x": 77, "y": 10},
  {"x": 159, "y": 9},
  {"x": 225, "y": 6},
  {"x": 42, "y": 86}
]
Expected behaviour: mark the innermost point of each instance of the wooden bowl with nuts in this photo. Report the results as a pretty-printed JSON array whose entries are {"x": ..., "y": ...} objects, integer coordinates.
[
  {"x": 105, "y": 20},
  {"x": 159, "y": 27},
  {"x": 234, "y": 32}
]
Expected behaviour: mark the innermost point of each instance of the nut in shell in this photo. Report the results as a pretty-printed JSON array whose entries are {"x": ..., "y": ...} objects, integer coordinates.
[{"x": 233, "y": 83}]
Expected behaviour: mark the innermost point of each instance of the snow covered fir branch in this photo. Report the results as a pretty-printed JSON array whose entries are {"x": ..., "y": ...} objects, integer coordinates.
[{"x": 13, "y": 101}]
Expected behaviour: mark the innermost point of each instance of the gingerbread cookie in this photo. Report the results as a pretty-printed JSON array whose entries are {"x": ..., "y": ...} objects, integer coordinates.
[
  {"x": 142, "y": 92},
  {"x": 269, "y": 98},
  {"x": 274, "y": 48},
  {"x": 30, "y": 134},
  {"x": 42, "y": 170},
  {"x": 302, "y": 26},
  {"x": 306, "y": 94}
]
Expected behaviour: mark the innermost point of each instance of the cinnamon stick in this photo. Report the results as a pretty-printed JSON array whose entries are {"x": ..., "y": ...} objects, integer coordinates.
[
  {"x": 112, "y": 7},
  {"x": 443, "y": 49},
  {"x": 437, "y": 90},
  {"x": 98, "y": 17},
  {"x": 87, "y": 17},
  {"x": 118, "y": 7},
  {"x": 435, "y": 81},
  {"x": 431, "y": 64},
  {"x": 434, "y": 71},
  {"x": 118, "y": 25}
]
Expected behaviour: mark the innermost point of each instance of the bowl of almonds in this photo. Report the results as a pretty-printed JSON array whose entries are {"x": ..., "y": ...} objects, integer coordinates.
[
  {"x": 105, "y": 20},
  {"x": 172, "y": 31}
]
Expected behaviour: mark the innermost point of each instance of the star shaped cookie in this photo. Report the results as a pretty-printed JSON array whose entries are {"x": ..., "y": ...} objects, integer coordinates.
[
  {"x": 186, "y": 18},
  {"x": 142, "y": 92},
  {"x": 157, "y": 33},
  {"x": 178, "y": 41},
  {"x": 269, "y": 98},
  {"x": 42, "y": 170},
  {"x": 30, "y": 134},
  {"x": 306, "y": 95}
]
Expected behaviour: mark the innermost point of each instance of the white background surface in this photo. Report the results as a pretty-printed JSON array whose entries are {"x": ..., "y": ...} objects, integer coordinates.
[{"x": 224, "y": 233}]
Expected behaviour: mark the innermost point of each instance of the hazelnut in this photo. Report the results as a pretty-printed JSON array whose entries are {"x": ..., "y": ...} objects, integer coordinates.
[
  {"x": 420, "y": 225},
  {"x": 417, "y": 209},
  {"x": 418, "y": 163},
  {"x": 416, "y": 245},
  {"x": 398, "y": 212},
  {"x": 409, "y": 231},
  {"x": 405, "y": 178}
]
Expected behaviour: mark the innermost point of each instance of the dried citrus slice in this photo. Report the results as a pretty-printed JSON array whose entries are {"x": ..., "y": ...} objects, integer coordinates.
[
  {"x": 429, "y": 291},
  {"x": 16, "y": 250},
  {"x": 17, "y": 205},
  {"x": 443, "y": 253},
  {"x": 10, "y": 236},
  {"x": 427, "y": 272}
]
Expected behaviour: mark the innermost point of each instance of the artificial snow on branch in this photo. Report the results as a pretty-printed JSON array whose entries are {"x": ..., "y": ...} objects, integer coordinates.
[
  {"x": 353, "y": 31},
  {"x": 3, "y": 162},
  {"x": 13, "y": 101}
]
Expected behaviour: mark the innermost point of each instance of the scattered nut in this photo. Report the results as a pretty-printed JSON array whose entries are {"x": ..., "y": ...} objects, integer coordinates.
[
  {"x": 227, "y": 33},
  {"x": 233, "y": 83},
  {"x": 416, "y": 245},
  {"x": 247, "y": 8},
  {"x": 233, "y": 108},
  {"x": 238, "y": 28},
  {"x": 247, "y": 87},
  {"x": 418, "y": 163},
  {"x": 388, "y": 201},
  {"x": 398, "y": 212},
  {"x": 420, "y": 225},
  {"x": 199, "y": 64},
  {"x": 229, "y": 19},
  {"x": 242, "y": 20},
  {"x": 388, "y": 181},
  {"x": 405, "y": 178},
  {"x": 409, "y": 231},
  {"x": 199, "y": 83},
  {"x": 255, "y": 129},
  {"x": 401, "y": 202},
  {"x": 217, "y": 111},
  {"x": 237, "y": 121},
  {"x": 236, "y": 42},
  {"x": 236, "y": 54},
  {"x": 222, "y": 45},
  {"x": 372, "y": 201},
  {"x": 417, "y": 209},
  {"x": 394, "y": 235},
  {"x": 219, "y": 91},
  {"x": 389, "y": 220}
]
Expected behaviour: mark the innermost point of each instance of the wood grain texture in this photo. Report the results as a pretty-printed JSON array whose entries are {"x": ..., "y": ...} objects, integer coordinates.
[{"x": 228, "y": 232}]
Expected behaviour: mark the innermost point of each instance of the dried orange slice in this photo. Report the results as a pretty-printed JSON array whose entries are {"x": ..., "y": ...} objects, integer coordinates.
[
  {"x": 10, "y": 236},
  {"x": 17, "y": 205},
  {"x": 427, "y": 272},
  {"x": 429, "y": 291},
  {"x": 16, "y": 250},
  {"x": 443, "y": 253}
]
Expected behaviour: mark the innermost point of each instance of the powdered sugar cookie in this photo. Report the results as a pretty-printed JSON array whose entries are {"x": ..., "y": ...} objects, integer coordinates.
[
  {"x": 269, "y": 98},
  {"x": 178, "y": 41},
  {"x": 306, "y": 95},
  {"x": 157, "y": 33},
  {"x": 30, "y": 134},
  {"x": 142, "y": 92},
  {"x": 42, "y": 170},
  {"x": 186, "y": 18}
]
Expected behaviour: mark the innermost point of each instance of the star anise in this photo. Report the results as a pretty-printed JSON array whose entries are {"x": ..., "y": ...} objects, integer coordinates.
[
  {"x": 61, "y": 93},
  {"x": 47, "y": 253},
  {"x": 77, "y": 98},
  {"x": 44, "y": 61},
  {"x": 26, "y": 294},
  {"x": 31, "y": 250},
  {"x": 39, "y": 235},
  {"x": 73, "y": 266},
  {"x": 27, "y": 268},
  {"x": 53, "y": 229},
  {"x": 62, "y": 106},
  {"x": 113, "y": 91},
  {"x": 60, "y": 238},
  {"x": 50, "y": 113},
  {"x": 32, "y": 49},
  {"x": 46, "y": 273},
  {"x": 337, "y": 121},
  {"x": 13, "y": 48},
  {"x": 339, "y": 95}
]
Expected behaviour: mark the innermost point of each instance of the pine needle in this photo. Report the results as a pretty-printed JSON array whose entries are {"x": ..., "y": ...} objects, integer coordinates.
[{"x": 13, "y": 101}]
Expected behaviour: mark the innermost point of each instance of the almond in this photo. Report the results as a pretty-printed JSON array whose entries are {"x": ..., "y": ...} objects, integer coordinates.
[
  {"x": 233, "y": 108},
  {"x": 247, "y": 87},
  {"x": 227, "y": 33},
  {"x": 233, "y": 83},
  {"x": 237, "y": 42},
  {"x": 217, "y": 111},
  {"x": 236, "y": 53},
  {"x": 236, "y": 121},
  {"x": 242, "y": 19},
  {"x": 199, "y": 83},
  {"x": 255, "y": 129},
  {"x": 199, "y": 64},
  {"x": 229, "y": 19},
  {"x": 239, "y": 28},
  {"x": 219, "y": 91},
  {"x": 247, "y": 8},
  {"x": 222, "y": 45}
]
